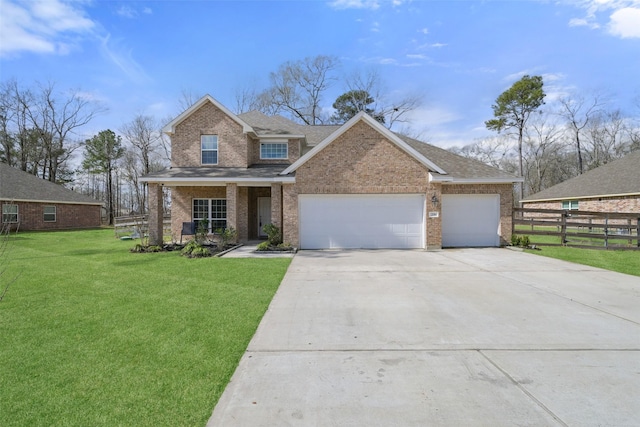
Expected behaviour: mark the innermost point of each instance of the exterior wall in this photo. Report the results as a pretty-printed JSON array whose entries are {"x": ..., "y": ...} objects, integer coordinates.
[
  {"x": 68, "y": 216},
  {"x": 611, "y": 204},
  {"x": 254, "y": 153},
  {"x": 434, "y": 224},
  {"x": 361, "y": 161},
  {"x": 209, "y": 120},
  {"x": 506, "y": 202},
  {"x": 181, "y": 204},
  {"x": 156, "y": 226}
]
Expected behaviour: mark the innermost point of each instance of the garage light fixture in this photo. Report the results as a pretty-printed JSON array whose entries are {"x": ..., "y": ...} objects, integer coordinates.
[{"x": 434, "y": 200}]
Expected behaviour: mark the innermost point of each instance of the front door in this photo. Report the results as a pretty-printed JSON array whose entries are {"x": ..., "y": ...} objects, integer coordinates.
[{"x": 264, "y": 214}]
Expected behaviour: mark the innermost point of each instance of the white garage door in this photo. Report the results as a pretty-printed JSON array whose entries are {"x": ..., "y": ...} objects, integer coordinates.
[
  {"x": 470, "y": 220},
  {"x": 372, "y": 221}
]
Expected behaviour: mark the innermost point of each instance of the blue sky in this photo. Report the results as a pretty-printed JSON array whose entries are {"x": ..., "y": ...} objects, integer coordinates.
[{"x": 139, "y": 56}]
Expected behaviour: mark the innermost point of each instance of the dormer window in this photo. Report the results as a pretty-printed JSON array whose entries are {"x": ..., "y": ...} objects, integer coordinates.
[
  {"x": 274, "y": 150},
  {"x": 209, "y": 149}
]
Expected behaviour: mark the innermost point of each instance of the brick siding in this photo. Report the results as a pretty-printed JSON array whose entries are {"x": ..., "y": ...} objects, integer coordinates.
[
  {"x": 209, "y": 120},
  {"x": 68, "y": 216},
  {"x": 606, "y": 204}
]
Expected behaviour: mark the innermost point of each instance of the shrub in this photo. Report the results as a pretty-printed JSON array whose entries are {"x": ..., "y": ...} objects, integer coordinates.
[
  {"x": 227, "y": 235},
  {"x": 525, "y": 241},
  {"x": 200, "y": 252},
  {"x": 189, "y": 247},
  {"x": 202, "y": 229},
  {"x": 515, "y": 240},
  {"x": 274, "y": 237},
  {"x": 263, "y": 246}
]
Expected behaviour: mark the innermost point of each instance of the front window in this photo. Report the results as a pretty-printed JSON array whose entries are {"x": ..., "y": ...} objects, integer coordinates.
[
  {"x": 279, "y": 150},
  {"x": 9, "y": 213},
  {"x": 214, "y": 211},
  {"x": 571, "y": 205},
  {"x": 209, "y": 149},
  {"x": 49, "y": 214}
]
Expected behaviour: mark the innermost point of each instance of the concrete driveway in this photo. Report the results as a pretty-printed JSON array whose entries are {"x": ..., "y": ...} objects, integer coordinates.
[{"x": 470, "y": 337}]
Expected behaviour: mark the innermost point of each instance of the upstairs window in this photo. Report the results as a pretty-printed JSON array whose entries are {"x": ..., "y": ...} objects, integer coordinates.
[
  {"x": 9, "y": 213},
  {"x": 209, "y": 149},
  {"x": 274, "y": 150},
  {"x": 570, "y": 205},
  {"x": 49, "y": 214}
]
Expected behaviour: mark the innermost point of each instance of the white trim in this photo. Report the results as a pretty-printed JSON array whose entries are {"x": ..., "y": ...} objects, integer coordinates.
[
  {"x": 169, "y": 182},
  {"x": 453, "y": 180},
  {"x": 377, "y": 126},
  {"x": 284, "y": 137},
  {"x": 170, "y": 128},
  {"x": 55, "y": 213}
]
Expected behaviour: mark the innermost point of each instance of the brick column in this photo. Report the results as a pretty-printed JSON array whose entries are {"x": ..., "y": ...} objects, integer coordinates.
[
  {"x": 232, "y": 205},
  {"x": 290, "y": 214},
  {"x": 155, "y": 214},
  {"x": 434, "y": 223},
  {"x": 276, "y": 205}
]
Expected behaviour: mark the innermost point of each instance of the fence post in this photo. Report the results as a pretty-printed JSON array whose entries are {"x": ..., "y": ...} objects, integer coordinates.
[
  {"x": 606, "y": 231},
  {"x": 563, "y": 228},
  {"x": 637, "y": 232}
]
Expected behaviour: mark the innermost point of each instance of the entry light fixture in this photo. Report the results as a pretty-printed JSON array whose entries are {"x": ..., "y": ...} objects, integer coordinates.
[{"x": 434, "y": 200}]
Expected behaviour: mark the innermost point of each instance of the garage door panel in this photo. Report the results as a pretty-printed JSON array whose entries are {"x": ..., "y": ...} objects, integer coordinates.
[
  {"x": 361, "y": 221},
  {"x": 470, "y": 220}
]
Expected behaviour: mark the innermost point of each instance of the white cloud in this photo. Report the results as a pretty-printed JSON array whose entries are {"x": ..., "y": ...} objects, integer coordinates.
[
  {"x": 438, "y": 45},
  {"x": 583, "y": 22},
  {"x": 424, "y": 30},
  {"x": 40, "y": 26},
  {"x": 122, "y": 58},
  {"x": 355, "y": 4},
  {"x": 624, "y": 16},
  {"x": 127, "y": 12},
  {"x": 625, "y": 23},
  {"x": 416, "y": 56}
]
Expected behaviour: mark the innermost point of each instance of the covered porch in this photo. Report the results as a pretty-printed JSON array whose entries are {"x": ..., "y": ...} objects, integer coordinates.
[{"x": 245, "y": 203}]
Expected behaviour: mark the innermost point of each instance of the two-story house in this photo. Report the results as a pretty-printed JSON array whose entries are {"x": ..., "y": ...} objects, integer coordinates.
[{"x": 357, "y": 185}]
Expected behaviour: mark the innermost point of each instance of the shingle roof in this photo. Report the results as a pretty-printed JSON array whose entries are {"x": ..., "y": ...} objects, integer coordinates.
[
  {"x": 21, "y": 186},
  {"x": 211, "y": 173},
  {"x": 272, "y": 125},
  {"x": 620, "y": 177},
  {"x": 456, "y": 166}
]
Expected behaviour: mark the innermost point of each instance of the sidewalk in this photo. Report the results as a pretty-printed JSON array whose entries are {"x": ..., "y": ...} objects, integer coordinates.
[{"x": 248, "y": 250}]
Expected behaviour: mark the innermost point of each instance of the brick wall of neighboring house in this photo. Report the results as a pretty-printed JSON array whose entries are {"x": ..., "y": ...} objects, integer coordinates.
[
  {"x": 209, "y": 120},
  {"x": 361, "y": 161},
  {"x": 182, "y": 204},
  {"x": 254, "y": 153},
  {"x": 605, "y": 204},
  {"x": 506, "y": 202},
  {"x": 68, "y": 216}
]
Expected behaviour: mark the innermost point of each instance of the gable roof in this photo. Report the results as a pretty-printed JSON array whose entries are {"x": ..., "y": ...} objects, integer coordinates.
[
  {"x": 170, "y": 128},
  {"x": 273, "y": 126},
  {"x": 19, "y": 186},
  {"x": 618, "y": 178},
  {"x": 362, "y": 116}
]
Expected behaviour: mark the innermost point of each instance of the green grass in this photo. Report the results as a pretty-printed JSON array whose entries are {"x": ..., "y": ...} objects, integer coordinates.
[
  {"x": 621, "y": 261},
  {"x": 91, "y": 334}
]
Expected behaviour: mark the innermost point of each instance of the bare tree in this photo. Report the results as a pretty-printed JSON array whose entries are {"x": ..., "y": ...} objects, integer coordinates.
[
  {"x": 544, "y": 148},
  {"x": 605, "y": 138},
  {"x": 578, "y": 112},
  {"x": 392, "y": 110},
  {"x": 44, "y": 123},
  {"x": 297, "y": 87},
  {"x": 146, "y": 143}
]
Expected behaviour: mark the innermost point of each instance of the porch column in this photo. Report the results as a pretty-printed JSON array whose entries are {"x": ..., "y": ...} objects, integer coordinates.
[
  {"x": 434, "y": 217},
  {"x": 155, "y": 215},
  {"x": 276, "y": 205},
  {"x": 232, "y": 205}
]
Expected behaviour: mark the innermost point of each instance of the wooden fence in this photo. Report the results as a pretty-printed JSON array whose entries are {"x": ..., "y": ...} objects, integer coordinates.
[
  {"x": 581, "y": 229},
  {"x": 134, "y": 225}
]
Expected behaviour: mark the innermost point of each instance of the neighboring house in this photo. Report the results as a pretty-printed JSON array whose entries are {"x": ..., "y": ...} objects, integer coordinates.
[
  {"x": 614, "y": 187},
  {"x": 31, "y": 203},
  {"x": 358, "y": 185}
]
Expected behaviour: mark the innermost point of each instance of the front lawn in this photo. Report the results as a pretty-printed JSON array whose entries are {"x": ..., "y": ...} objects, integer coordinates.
[
  {"x": 92, "y": 335},
  {"x": 621, "y": 261}
]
